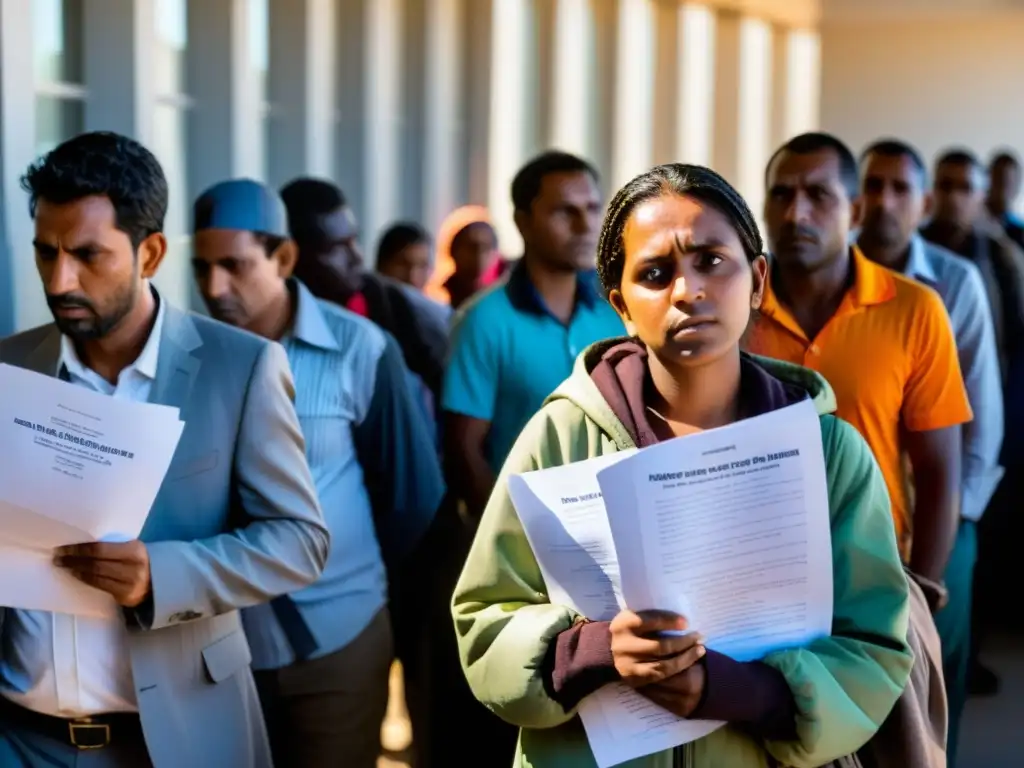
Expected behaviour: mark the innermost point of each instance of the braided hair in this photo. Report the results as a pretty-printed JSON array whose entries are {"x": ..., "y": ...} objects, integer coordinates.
[{"x": 693, "y": 181}]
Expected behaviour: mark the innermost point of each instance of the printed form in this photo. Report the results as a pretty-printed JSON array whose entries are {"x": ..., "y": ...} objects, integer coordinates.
[
  {"x": 75, "y": 466},
  {"x": 565, "y": 521},
  {"x": 728, "y": 527}
]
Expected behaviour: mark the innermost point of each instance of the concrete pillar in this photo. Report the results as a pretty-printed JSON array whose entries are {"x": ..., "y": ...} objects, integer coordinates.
[
  {"x": 742, "y": 128},
  {"x": 167, "y": 57},
  {"x": 501, "y": 111},
  {"x": 477, "y": 36},
  {"x": 433, "y": 142},
  {"x": 370, "y": 91},
  {"x": 537, "y": 45},
  {"x": 119, "y": 42},
  {"x": 444, "y": 134},
  {"x": 796, "y": 83},
  {"x": 542, "y": 39},
  {"x": 384, "y": 115},
  {"x": 571, "y": 86},
  {"x": 602, "y": 111},
  {"x": 21, "y": 298},
  {"x": 725, "y": 147},
  {"x": 633, "y": 83},
  {"x": 668, "y": 49},
  {"x": 510, "y": 106},
  {"x": 684, "y": 83},
  {"x": 301, "y": 87},
  {"x": 415, "y": 96},
  {"x": 225, "y": 127},
  {"x": 350, "y": 143},
  {"x": 625, "y": 40}
]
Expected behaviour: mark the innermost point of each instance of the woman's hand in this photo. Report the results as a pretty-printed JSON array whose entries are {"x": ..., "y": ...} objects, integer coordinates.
[
  {"x": 681, "y": 693},
  {"x": 642, "y": 658}
]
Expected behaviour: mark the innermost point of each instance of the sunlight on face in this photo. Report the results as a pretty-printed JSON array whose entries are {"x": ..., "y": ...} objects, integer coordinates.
[{"x": 687, "y": 286}]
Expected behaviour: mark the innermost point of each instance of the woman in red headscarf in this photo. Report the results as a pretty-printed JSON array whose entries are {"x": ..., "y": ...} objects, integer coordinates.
[{"x": 467, "y": 256}]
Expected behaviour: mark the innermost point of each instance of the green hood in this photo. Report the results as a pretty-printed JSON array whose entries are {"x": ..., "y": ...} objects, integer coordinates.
[
  {"x": 845, "y": 685},
  {"x": 581, "y": 390}
]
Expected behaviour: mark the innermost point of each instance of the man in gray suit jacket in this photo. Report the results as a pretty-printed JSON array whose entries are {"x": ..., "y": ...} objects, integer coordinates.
[{"x": 236, "y": 521}]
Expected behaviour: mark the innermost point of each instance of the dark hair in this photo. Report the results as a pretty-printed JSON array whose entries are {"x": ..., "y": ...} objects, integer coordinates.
[
  {"x": 526, "y": 185},
  {"x": 959, "y": 156},
  {"x": 399, "y": 237},
  {"x": 694, "y": 181},
  {"x": 306, "y": 198},
  {"x": 897, "y": 148},
  {"x": 469, "y": 228},
  {"x": 109, "y": 165},
  {"x": 270, "y": 243},
  {"x": 1004, "y": 157},
  {"x": 809, "y": 143}
]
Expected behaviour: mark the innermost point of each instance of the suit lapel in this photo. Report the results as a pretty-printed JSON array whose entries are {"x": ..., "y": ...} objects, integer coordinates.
[
  {"x": 45, "y": 358},
  {"x": 177, "y": 367},
  {"x": 176, "y": 370}
]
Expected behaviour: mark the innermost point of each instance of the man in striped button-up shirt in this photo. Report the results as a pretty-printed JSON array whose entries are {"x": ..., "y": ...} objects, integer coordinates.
[{"x": 322, "y": 655}]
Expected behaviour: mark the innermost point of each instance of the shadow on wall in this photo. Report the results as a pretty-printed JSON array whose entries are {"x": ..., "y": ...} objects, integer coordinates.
[{"x": 6, "y": 272}]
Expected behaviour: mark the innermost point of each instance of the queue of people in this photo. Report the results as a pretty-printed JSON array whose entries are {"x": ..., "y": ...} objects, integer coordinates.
[{"x": 340, "y": 495}]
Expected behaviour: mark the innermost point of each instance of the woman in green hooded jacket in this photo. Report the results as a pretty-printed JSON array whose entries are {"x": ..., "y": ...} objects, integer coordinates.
[{"x": 682, "y": 261}]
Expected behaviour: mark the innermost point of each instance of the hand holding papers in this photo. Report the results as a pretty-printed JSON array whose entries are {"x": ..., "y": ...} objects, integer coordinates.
[
  {"x": 563, "y": 515},
  {"x": 729, "y": 528},
  {"x": 119, "y": 568},
  {"x": 75, "y": 466}
]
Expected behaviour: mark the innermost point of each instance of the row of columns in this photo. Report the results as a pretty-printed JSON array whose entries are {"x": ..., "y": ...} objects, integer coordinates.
[{"x": 416, "y": 106}]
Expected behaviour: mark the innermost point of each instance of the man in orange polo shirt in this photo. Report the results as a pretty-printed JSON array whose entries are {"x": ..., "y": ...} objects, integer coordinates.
[{"x": 883, "y": 341}]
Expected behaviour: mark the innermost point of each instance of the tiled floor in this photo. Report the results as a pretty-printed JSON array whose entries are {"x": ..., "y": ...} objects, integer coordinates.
[
  {"x": 992, "y": 734},
  {"x": 993, "y": 728},
  {"x": 395, "y": 734}
]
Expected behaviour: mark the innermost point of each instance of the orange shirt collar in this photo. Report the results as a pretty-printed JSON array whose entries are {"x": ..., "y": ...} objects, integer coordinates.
[{"x": 872, "y": 284}]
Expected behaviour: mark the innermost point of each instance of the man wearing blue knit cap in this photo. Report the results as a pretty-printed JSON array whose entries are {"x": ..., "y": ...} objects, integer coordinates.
[{"x": 322, "y": 655}]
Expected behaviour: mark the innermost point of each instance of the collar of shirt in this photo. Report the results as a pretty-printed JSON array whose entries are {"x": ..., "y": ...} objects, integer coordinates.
[
  {"x": 308, "y": 324},
  {"x": 919, "y": 266},
  {"x": 144, "y": 365},
  {"x": 872, "y": 284},
  {"x": 525, "y": 297}
]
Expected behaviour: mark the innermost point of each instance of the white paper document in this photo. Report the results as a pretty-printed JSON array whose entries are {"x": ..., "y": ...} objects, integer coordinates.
[
  {"x": 75, "y": 466},
  {"x": 565, "y": 521},
  {"x": 730, "y": 528}
]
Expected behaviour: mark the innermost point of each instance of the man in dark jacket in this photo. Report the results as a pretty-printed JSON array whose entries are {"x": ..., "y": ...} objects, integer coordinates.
[
  {"x": 331, "y": 264},
  {"x": 961, "y": 224},
  {"x": 1003, "y": 190}
]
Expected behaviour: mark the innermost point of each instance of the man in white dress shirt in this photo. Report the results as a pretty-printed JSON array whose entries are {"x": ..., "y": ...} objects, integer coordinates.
[{"x": 236, "y": 522}]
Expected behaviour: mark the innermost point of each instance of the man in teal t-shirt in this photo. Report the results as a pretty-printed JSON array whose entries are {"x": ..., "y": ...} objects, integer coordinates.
[{"x": 515, "y": 343}]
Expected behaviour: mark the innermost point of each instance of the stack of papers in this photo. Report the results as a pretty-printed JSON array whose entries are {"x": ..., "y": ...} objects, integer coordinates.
[
  {"x": 728, "y": 527},
  {"x": 75, "y": 466}
]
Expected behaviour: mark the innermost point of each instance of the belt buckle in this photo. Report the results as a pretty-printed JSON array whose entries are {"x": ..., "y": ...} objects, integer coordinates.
[{"x": 87, "y": 731}]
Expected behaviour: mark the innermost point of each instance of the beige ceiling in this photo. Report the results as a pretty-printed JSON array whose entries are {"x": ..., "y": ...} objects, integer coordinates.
[
  {"x": 810, "y": 13},
  {"x": 835, "y": 10},
  {"x": 797, "y": 13}
]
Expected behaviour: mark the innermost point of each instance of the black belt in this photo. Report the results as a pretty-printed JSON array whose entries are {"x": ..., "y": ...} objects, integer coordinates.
[{"x": 94, "y": 732}]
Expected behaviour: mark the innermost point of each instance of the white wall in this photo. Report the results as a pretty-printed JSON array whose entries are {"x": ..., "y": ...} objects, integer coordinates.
[{"x": 935, "y": 80}]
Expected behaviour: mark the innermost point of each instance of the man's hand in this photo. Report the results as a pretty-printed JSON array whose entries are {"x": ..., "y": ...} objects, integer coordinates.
[
  {"x": 121, "y": 569},
  {"x": 643, "y": 658},
  {"x": 681, "y": 693}
]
